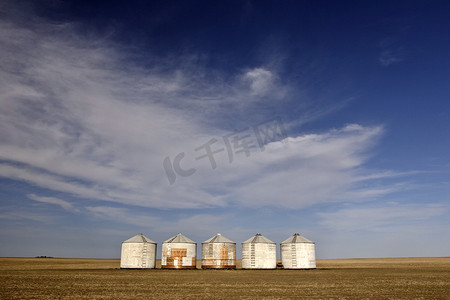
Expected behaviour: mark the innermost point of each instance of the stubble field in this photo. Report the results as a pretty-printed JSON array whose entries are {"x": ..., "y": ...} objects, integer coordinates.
[{"x": 389, "y": 278}]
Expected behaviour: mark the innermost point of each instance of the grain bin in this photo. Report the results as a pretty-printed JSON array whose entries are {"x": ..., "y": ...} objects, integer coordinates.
[
  {"x": 258, "y": 252},
  {"x": 218, "y": 252},
  {"x": 297, "y": 252},
  {"x": 138, "y": 252},
  {"x": 179, "y": 252}
]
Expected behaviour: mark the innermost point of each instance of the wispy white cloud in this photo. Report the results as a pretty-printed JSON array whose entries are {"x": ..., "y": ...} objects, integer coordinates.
[
  {"x": 55, "y": 201},
  {"x": 14, "y": 215},
  {"x": 390, "y": 57},
  {"x": 304, "y": 170},
  {"x": 380, "y": 218},
  {"x": 121, "y": 215},
  {"x": 49, "y": 181},
  {"x": 260, "y": 80},
  {"x": 391, "y": 49},
  {"x": 200, "y": 224},
  {"x": 387, "y": 174}
]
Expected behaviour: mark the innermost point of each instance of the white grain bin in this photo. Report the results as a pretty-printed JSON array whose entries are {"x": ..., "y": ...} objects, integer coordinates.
[
  {"x": 179, "y": 252},
  {"x": 218, "y": 252},
  {"x": 297, "y": 252},
  {"x": 138, "y": 252},
  {"x": 258, "y": 252}
]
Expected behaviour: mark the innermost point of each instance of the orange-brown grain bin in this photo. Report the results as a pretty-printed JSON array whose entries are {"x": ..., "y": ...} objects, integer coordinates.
[
  {"x": 179, "y": 252},
  {"x": 218, "y": 252}
]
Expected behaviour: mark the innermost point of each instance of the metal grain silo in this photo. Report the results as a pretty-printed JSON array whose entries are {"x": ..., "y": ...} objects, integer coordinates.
[
  {"x": 179, "y": 252},
  {"x": 297, "y": 252},
  {"x": 258, "y": 252},
  {"x": 218, "y": 252},
  {"x": 138, "y": 252}
]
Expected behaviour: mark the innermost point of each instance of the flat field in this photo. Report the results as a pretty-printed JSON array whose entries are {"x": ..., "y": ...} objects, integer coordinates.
[{"x": 64, "y": 278}]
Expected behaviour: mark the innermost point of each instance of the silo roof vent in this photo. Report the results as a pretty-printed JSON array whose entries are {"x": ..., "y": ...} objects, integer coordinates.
[
  {"x": 139, "y": 238},
  {"x": 218, "y": 238},
  {"x": 259, "y": 238},
  {"x": 297, "y": 238},
  {"x": 179, "y": 238}
]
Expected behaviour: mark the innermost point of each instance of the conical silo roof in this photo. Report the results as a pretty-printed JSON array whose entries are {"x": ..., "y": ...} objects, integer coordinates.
[
  {"x": 139, "y": 238},
  {"x": 297, "y": 238},
  {"x": 179, "y": 238},
  {"x": 258, "y": 238},
  {"x": 218, "y": 238}
]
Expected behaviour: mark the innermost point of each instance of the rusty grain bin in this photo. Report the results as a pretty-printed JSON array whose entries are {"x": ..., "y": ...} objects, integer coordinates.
[
  {"x": 138, "y": 252},
  {"x": 179, "y": 252},
  {"x": 218, "y": 252},
  {"x": 297, "y": 252},
  {"x": 258, "y": 252}
]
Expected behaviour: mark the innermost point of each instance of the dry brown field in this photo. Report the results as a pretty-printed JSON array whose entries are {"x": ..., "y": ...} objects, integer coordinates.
[{"x": 64, "y": 278}]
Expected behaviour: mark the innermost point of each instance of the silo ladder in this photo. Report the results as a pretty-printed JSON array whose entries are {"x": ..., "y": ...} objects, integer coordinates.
[
  {"x": 144, "y": 256},
  {"x": 294, "y": 255},
  {"x": 252, "y": 255}
]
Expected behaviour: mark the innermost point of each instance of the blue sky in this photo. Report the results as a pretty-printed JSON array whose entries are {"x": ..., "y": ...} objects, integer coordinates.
[{"x": 108, "y": 109}]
